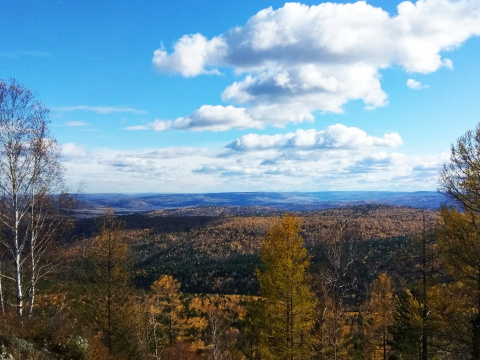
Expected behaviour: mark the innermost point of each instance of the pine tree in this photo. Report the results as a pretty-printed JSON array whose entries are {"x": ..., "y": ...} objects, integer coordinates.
[{"x": 288, "y": 311}]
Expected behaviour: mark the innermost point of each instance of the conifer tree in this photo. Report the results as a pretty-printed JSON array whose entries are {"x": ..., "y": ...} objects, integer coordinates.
[
  {"x": 379, "y": 311},
  {"x": 109, "y": 304},
  {"x": 459, "y": 232},
  {"x": 167, "y": 313},
  {"x": 288, "y": 311},
  {"x": 406, "y": 331}
]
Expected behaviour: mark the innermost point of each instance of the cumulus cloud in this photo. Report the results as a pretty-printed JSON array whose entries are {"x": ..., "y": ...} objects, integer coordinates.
[
  {"x": 335, "y": 158},
  {"x": 333, "y": 137},
  {"x": 415, "y": 85},
  {"x": 338, "y": 152},
  {"x": 318, "y": 58},
  {"x": 208, "y": 117},
  {"x": 192, "y": 55}
]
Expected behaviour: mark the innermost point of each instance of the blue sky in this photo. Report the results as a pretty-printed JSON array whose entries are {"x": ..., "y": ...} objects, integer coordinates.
[{"x": 214, "y": 96}]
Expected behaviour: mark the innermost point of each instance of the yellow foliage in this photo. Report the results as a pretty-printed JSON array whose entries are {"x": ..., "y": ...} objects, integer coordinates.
[{"x": 288, "y": 306}]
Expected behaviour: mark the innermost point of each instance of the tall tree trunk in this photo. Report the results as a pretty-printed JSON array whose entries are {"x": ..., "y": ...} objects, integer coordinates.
[
  {"x": 2, "y": 302},
  {"x": 32, "y": 289},
  {"x": 424, "y": 293},
  {"x": 170, "y": 324},
  {"x": 109, "y": 295},
  {"x": 18, "y": 260},
  {"x": 291, "y": 323},
  {"x": 32, "y": 252},
  {"x": 476, "y": 326},
  {"x": 384, "y": 343}
]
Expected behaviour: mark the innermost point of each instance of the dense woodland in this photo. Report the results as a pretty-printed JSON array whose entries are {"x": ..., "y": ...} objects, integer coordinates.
[{"x": 363, "y": 282}]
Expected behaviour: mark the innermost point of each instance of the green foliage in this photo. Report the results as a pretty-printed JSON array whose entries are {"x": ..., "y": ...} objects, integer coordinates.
[
  {"x": 407, "y": 327},
  {"x": 288, "y": 306}
]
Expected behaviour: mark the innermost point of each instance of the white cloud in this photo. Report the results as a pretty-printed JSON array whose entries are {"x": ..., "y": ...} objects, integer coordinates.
[
  {"x": 76, "y": 124},
  {"x": 333, "y": 137},
  {"x": 101, "y": 109},
  {"x": 72, "y": 151},
  {"x": 223, "y": 118},
  {"x": 336, "y": 158},
  {"x": 172, "y": 153},
  {"x": 148, "y": 170},
  {"x": 208, "y": 117},
  {"x": 318, "y": 58},
  {"x": 137, "y": 127},
  {"x": 192, "y": 55},
  {"x": 416, "y": 85}
]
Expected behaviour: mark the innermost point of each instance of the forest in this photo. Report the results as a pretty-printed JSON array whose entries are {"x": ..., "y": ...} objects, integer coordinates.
[{"x": 359, "y": 282}]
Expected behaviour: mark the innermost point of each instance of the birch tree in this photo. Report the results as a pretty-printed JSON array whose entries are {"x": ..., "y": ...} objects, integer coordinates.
[{"x": 30, "y": 174}]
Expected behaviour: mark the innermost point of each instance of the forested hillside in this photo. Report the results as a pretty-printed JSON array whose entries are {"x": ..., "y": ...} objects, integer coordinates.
[
  {"x": 218, "y": 254},
  {"x": 211, "y": 262}
]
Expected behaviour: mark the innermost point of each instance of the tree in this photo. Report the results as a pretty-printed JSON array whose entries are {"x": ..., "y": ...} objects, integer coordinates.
[
  {"x": 30, "y": 174},
  {"x": 459, "y": 250},
  {"x": 379, "y": 311},
  {"x": 109, "y": 297},
  {"x": 220, "y": 313},
  {"x": 452, "y": 311},
  {"x": 406, "y": 331},
  {"x": 459, "y": 232},
  {"x": 460, "y": 178},
  {"x": 288, "y": 304},
  {"x": 167, "y": 313},
  {"x": 337, "y": 283}
]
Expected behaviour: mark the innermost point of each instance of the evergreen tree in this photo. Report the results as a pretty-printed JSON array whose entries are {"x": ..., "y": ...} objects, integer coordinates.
[
  {"x": 406, "y": 330},
  {"x": 289, "y": 306}
]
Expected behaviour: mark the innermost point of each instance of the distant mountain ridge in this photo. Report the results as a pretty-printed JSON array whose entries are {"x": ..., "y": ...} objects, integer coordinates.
[{"x": 272, "y": 201}]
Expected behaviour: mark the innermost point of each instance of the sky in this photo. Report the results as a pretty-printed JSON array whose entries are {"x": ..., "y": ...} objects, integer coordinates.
[{"x": 199, "y": 96}]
